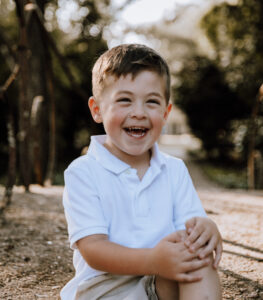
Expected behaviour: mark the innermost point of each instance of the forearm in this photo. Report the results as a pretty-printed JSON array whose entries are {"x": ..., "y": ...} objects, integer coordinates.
[{"x": 101, "y": 254}]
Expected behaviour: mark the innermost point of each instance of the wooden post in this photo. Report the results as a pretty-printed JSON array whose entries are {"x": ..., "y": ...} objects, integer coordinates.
[{"x": 252, "y": 138}]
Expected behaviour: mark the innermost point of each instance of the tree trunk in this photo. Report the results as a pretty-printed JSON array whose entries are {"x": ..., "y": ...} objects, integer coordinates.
[
  {"x": 38, "y": 90},
  {"x": 11, "y": 173},
  {"x": 24, "y": 105},
  {"x": 252, "y": 153},
  {"x": 52, "y": 124}
]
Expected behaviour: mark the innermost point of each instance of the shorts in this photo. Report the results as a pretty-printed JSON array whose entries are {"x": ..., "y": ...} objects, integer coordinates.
[{"x": 117, "y": 287}]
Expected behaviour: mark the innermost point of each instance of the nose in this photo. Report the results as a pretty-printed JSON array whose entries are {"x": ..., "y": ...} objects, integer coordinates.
[{"x": 138, "y": 111}]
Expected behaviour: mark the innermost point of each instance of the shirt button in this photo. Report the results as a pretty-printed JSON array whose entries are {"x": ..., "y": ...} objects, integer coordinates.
[{"x": 128, "y": 172}]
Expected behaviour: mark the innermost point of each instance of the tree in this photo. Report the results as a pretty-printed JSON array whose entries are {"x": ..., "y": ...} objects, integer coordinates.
[
  {"x": 204, "y": 96},
  {"x": 238, "y": 44},
  {"x": 46, "y": 72},
  {"x": 236, "y": 33}
]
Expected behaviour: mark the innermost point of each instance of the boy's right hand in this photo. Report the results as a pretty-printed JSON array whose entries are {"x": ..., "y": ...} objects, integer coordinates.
[{"x": 171, "y": 259}]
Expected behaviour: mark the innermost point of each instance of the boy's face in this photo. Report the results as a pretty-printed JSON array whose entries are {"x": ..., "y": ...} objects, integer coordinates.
[{"x": 133, "y": 112}]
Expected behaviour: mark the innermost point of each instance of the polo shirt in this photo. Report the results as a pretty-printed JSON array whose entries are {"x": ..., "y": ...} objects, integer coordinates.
[{"x": 104, "y": 195}]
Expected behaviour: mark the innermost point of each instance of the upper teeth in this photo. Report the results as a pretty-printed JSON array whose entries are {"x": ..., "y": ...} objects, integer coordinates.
[{"x": 136, "y": 128}]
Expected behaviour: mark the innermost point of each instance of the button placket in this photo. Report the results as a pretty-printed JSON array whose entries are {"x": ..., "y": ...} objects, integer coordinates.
[{"x": 142, "y": 205}]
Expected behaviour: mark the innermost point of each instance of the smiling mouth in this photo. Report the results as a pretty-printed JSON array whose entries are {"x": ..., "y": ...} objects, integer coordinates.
[{"x": 136, "y": 131}]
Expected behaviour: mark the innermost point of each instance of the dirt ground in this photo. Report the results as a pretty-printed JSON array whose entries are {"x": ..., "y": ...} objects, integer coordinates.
[{"x": 35, "y": 259}]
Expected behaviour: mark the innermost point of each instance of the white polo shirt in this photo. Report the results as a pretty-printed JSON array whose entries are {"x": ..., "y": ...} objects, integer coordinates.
[{"x": 104, "y": 195}]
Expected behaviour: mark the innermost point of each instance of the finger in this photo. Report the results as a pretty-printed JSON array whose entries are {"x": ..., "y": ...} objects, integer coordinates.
[
  {"x": 183, "y": 234},
  {"x": 189, "y": 256},
  {"x": 201, "y": 241},
  {"x": 205, "y": 251},
  {"x": 174, "y": 237},
  {"x": 190, "y": 224},
  {"x": 195, "y": 264},
  {"x": 192, "y": 237},
  {"x": 184, "y": 277},
  {"x": 218, "y": 255}
]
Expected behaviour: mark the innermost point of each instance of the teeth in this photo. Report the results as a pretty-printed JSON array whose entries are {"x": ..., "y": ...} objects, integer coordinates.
[{"x": 136, "y": 131}]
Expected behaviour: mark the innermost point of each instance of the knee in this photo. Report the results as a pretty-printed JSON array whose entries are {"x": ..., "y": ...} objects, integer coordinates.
[
  {"x": 166, "y": 289},
  {"x": 208, "y": 288}
]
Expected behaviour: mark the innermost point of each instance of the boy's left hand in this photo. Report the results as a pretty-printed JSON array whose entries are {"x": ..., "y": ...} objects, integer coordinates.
[{"x": 203, "y": 233}]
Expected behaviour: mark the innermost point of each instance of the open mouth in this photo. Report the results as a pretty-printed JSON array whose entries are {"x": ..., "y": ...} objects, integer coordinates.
[{"x": 136, "y": 131}]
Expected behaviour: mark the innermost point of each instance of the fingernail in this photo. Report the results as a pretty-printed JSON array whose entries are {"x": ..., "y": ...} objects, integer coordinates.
[{"x": 187, "y": 243}]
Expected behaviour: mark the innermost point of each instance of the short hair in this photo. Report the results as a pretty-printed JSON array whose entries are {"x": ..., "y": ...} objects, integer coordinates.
[{"x": 128, "y": 59}]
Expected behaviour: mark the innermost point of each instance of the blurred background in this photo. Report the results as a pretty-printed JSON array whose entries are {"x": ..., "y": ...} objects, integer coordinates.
[{"x": 215, "y": 53}]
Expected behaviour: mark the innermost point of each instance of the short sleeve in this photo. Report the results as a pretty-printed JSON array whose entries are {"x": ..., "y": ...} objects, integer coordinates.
[
  {"x": 186, "y": 201},
  {"x": 82, "y": 205}
]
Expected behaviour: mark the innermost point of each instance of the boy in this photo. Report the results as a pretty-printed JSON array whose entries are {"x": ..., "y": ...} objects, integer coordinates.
[{"x": 135, "y": 222}]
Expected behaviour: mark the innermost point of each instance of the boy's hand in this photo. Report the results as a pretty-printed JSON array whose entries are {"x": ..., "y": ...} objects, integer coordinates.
[
  {"x": 203, "y": 233},
  {"x": 171, "y": 259}
]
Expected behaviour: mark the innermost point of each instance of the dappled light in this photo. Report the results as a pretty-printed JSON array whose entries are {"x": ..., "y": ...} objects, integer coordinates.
[{"x": 214, "y": 50}]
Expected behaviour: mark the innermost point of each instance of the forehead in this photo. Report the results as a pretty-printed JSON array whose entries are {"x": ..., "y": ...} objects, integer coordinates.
[{"x": 144, "y": 81}]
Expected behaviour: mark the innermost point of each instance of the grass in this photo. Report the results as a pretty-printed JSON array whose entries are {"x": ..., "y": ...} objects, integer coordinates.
[
  {"x": 57, "y": 180},
  {"x": 226, "y": 176}
]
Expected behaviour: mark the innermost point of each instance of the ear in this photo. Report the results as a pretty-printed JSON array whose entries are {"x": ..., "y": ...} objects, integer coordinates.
[
  {"x": 95, "y": 110},
  {"x": 167, "y": 111}
]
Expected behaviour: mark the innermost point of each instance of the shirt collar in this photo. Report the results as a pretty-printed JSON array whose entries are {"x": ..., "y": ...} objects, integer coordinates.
[
  {"x": 111, "y": 162},
  {"x": 157, "y": 157}
]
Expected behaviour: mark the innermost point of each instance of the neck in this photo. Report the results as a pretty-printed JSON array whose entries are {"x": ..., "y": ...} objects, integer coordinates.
[{"x": 141, "y": 163}]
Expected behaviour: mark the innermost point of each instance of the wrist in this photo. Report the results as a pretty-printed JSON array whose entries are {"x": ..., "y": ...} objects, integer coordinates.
[{"x": 151, "y": 262}]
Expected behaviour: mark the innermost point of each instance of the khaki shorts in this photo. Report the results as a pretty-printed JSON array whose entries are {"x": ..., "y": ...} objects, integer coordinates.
[{"x": 116, "y": 287}]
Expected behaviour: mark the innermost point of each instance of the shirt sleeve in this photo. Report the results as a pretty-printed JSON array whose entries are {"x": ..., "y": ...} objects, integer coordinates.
[
  {"x": 186, "y": 201},
  {"x": 83, "y": 210}
]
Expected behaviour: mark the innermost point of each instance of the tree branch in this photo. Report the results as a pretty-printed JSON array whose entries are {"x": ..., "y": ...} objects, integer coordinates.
[
  {"x": 9, "y": 81},
  {"x": 61, "y": 59}
]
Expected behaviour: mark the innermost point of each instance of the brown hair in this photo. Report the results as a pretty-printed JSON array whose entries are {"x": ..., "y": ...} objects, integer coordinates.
[{"x": 128, "y": 59}]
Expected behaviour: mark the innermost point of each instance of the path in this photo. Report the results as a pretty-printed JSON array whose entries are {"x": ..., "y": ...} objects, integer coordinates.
[
  {"x": 35, "y": 260},
  {"x": 239, "y": 215}
]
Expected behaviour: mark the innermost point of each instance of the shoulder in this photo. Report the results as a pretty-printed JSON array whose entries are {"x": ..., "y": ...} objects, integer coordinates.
[
  {"x": 175, "y": 167},
  {"x": 79, "y": 162},
  {"x": 79, "y": 166},
  {"x": 172, "y": 163}
]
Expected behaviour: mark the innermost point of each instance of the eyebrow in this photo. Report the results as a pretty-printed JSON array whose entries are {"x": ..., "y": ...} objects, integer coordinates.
[
  {"x": 131, "y": 93},
  {"x": 154, "y": 94},
  {"x": 124, "y": 92}
]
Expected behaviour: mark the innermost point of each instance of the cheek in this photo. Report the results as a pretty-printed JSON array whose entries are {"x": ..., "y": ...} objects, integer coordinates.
[
  {"x": 158, "y": 119},
  {"x": 113, "y": 120}
]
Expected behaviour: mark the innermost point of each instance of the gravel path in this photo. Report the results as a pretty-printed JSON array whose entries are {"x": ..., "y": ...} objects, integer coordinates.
[
  {"x": 35, "y": 259},
  {"x": 239, "y": 216}
]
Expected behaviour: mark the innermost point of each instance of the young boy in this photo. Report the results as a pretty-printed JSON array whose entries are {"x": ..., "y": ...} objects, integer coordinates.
[{"x": 135, "y": 222}]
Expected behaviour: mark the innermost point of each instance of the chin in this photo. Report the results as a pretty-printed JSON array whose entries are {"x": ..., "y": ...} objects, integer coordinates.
[{"x": 137, "y": 152}]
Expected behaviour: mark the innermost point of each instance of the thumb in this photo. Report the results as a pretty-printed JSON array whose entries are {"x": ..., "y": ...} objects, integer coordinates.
[
  {"x": 190, "y": 224},
  {"x": 174, "y": 237}
]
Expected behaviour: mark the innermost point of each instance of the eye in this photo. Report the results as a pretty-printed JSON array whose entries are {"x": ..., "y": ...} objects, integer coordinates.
[
  {"x": 124, "y": 100},
  {"x": 153, "y": 101}
]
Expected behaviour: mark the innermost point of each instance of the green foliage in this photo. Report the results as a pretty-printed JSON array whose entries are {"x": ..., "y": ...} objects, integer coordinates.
[
  {"x": 209, "y": 104},
  {"x": 226, "y": 176},
  {"x": 236, "y": 33},
  {"x": 218, "y": 95},
  {"x": 73, "y": 114},
  {"x": 79, "y": 49}
]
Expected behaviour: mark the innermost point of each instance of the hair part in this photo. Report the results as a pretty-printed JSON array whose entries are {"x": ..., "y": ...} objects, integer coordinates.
[{"x": 128, "y": 59}]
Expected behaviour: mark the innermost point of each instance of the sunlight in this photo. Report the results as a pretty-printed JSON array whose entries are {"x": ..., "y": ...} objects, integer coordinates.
[{"x": 147, "y": 11}]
